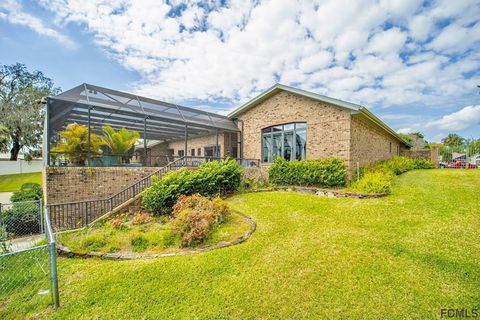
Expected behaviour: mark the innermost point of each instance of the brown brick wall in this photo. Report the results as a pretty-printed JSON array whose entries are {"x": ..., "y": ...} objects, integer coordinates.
[
  {"x": 328, "y": 127},
  {"x": 425, "y": 154},
  {"x": 66, "y": 184},
  {"x": 198, "y": 142},
  {"x": 370, "y": 143}
]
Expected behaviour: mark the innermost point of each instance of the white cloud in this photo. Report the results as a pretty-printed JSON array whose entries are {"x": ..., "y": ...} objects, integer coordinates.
[
  {"x": 13, "y": 13},
  {"x": 464, "y": 118},
  {"x": 388, "y": 41},
  {"x": 334, "y": 47},
  {"x": 316, "y": 61},
  {"x": 405, "y": 130},
  {"x": 453, "y": 38},
  {"x": 420, "y": 27}
]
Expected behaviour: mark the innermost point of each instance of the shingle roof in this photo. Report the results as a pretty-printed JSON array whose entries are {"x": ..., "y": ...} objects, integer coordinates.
[{"x": 354, "y": 108}]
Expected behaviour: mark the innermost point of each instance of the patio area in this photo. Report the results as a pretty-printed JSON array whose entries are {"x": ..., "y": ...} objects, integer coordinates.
[{"x": 167, "y": 131}]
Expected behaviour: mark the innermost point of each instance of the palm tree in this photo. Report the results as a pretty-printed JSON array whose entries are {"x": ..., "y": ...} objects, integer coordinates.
[
  {"x": 119, "y": 142},
  {"x": 74, "y": 144},
  {"x": 453, "y": 140}
]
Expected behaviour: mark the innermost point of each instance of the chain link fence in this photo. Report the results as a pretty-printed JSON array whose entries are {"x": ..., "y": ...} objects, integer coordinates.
[{"x": 28, "y": 267}]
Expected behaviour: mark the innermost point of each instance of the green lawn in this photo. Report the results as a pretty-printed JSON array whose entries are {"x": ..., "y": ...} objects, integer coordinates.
[
  {"x": 404, "y": 256},
  {"x": 13, "y": 182}
]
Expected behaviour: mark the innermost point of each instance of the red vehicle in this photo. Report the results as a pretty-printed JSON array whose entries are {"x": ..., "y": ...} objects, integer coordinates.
[{"x": 458, "y": 164}]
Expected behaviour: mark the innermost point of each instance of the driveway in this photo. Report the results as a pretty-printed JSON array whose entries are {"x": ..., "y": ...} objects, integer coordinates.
[{"x": 5, "y": 197}]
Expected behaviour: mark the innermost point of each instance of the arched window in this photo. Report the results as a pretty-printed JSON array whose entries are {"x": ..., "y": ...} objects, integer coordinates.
[{"x": 286, "y": 140}]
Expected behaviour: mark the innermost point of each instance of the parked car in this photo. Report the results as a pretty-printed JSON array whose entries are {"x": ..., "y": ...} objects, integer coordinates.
[{"x": 458, "y": 164}]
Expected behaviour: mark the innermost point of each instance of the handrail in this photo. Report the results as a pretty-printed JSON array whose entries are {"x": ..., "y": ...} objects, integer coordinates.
[
  {"x": 81, "y": 213},
  {"x": 108, "y": 204},
  {"x": 152, "y": 160}
]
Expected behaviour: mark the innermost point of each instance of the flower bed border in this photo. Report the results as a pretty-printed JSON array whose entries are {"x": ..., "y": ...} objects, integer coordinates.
[
  {"x": 321, "y": 192},
  {"x": 66, "y": 252}
]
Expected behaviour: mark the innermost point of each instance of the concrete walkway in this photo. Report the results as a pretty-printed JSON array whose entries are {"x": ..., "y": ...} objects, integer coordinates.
[
  {"x": 5, "y": 197},
  {"x": 24, "y": 243}
]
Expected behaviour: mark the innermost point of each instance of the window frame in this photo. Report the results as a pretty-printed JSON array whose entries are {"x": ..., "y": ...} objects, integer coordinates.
[{"x": 271, "y": 132}]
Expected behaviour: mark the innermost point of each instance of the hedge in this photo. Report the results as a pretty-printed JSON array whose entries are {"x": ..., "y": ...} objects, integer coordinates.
[
  {"x": 327, "y": 172},
  {"x": 378, "y": 177},
  {"x": 210, "y": 179}
]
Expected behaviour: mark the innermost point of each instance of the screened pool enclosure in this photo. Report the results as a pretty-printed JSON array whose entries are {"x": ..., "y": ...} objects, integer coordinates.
[{"x": 92, "y": 108}]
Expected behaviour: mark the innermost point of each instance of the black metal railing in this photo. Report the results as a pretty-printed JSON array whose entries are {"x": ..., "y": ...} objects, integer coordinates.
[
  {"x": 82, "y": 159},
  {"x": 73, "y": 215},
  {"x": 196, "y": 161},
  {"x": 69, "y": 159}
]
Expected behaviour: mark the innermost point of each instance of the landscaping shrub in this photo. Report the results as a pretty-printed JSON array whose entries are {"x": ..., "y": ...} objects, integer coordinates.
[
  {"x": 217, "y": 206},
  {"x": 118, "y": 223},
  {"x": 194, "y": 201},
  {"x": 139, "y": 243},
  {"x": 169, "y": 239},
  {"x": 210, "y": 179},
  {"x": 399, "y": 165},
  {"x": 378, "y": 177},
  {"x": 141, "y": 218},
  {"x": 195, "y": 217},
  {"x": 375, "y": 182},
  {"x": 28, "y": 192},
  {"x": 22, "y": 218},
  {"x": 327, "y": 172},
  {"x": 93, "y": 242},
  {"x": 193, "y": 226},
  {"x": 423, "y": 164}
]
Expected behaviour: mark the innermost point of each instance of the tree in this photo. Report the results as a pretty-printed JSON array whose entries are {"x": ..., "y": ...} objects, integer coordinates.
[
  {"x": 417, "y": 134},
  {"x": 21, "y": 96},
  {"x": 4, "y": 137},
  {"x": 119, "y": 142},
  {"x": 453, "y": 140},
  {"x": 74, "y": 144},
  {"x": 405, "y": 137}
]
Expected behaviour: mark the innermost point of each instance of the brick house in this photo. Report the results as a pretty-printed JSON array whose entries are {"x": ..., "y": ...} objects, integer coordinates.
[
  {"x": 296, "y": 124},
  {"x": 281, "y": 122}
]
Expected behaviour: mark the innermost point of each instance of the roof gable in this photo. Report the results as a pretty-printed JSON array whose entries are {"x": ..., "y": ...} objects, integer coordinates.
[
  {"x": 354, "y": 108},
  {"x": 280, "y": 87}
]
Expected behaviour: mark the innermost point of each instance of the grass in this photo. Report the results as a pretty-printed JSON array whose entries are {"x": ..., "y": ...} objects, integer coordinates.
[
  {"x": 404, "y": 256},
  {"x": 149, "y": 238},
  {"x": 13, "y": 182}
]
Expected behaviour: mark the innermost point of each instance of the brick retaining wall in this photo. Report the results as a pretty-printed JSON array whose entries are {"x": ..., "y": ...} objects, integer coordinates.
[{"x": 69, "y": 184}]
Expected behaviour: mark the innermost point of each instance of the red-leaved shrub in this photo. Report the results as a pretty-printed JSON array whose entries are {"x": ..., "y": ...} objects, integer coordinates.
[
  {"x": 141, "y": 218},
  {"x": 195, "y": 216},
  {"x": 118, "y": 223},
  {"x": 193, "y": 226}
]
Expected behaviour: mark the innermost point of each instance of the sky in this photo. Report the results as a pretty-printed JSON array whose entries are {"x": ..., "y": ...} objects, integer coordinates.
[{"x": 415, "y": 64}]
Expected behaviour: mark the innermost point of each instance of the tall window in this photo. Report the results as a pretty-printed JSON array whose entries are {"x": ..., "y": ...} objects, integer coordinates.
[{"x": 287, "y": 140}]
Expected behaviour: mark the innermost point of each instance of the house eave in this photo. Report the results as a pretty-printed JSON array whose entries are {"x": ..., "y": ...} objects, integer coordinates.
[
  {"x": 370, "y": 116},
  {"x": 280, "y": 87}
]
